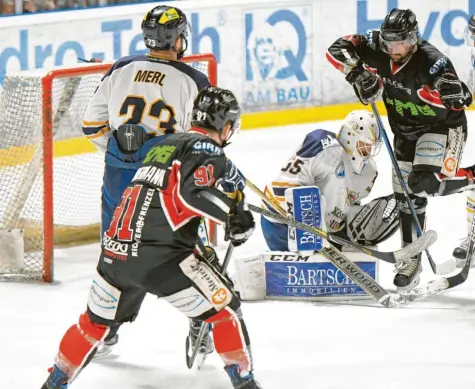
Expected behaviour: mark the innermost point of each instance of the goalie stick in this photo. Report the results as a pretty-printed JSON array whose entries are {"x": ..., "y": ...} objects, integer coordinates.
[
  {"x": 190, "y": 359},
  {"x": 392, "y": 257}
]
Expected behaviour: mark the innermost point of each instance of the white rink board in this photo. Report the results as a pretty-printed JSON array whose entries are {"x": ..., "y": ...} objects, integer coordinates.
[{"x": 271, "y": 54}]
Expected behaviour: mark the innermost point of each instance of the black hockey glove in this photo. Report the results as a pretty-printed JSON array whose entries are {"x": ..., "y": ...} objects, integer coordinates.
[
  {"x": 367, "y": 85},
  {"x": 454, "y": 93},
  {"x": 240, "y": 224},
  {"x": 233, "y": 179}
]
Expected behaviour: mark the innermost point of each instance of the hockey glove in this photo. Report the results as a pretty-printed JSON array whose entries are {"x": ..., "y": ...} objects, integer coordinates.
[
  {"x": 454, "y": 94},
  {"x": 240, "y": 223},
  {"x": 367, "y": 85},
  {"x": 233, "y": 179},
  {"x": 211, "y": 257}
]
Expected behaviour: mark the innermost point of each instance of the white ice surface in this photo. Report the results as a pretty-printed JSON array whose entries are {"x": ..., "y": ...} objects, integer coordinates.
[{"x": 295, "y": 345}]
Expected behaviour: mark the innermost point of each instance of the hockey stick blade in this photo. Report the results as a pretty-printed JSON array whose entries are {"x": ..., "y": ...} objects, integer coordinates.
[
  {"x": 444, "y": 283},
  {"x": 424, "y": 241}
]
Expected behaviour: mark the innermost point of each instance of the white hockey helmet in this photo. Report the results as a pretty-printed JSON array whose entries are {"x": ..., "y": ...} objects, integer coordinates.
[{"x": 360, "y": 137}]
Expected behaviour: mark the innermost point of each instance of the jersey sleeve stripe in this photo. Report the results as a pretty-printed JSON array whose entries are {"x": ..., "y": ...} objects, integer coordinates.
[
  {"x": 279, "y": 192},
  {"x": 98, "y": 134},
  {"x": 284, "y": 184},
  {"x": 94, "y": 124}
]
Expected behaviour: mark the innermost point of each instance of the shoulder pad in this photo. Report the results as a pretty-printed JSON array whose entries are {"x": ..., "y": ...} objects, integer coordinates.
[{"x": 315, "y": 142}]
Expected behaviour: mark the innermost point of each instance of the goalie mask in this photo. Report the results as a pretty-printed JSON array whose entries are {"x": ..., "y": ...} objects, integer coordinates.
[
  {"x": 360, "y": 137},
  {"x": 470, "y": 32}
]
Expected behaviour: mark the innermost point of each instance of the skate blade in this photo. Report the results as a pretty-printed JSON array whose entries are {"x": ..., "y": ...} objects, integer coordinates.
[
  {"x": 407, "y": 289},
  {"x": 103, "y": 352}
]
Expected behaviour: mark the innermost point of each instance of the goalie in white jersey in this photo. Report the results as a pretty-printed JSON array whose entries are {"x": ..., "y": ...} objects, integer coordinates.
[
  {"x": 343, "y": 169},
  {"x": 141, "y": 100}
]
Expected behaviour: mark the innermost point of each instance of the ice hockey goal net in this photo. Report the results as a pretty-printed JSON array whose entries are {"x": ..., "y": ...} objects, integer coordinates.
[{"x": 50, "y": 174}]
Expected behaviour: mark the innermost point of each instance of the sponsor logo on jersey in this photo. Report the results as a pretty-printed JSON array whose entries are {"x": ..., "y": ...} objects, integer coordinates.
[
  {"x": 328, "y": 141},
  {"x": 207, "y": 147},
  {"x": 160, "y": 154},
  {"x": 139, "y": 224},
  {"x": 340, "y": 170},
  {"x": 396, "y": 84},
  {"x": 409, "y": 108},
  {"x": 441, "y": 62},
  {"x": 114, "y": 250}
]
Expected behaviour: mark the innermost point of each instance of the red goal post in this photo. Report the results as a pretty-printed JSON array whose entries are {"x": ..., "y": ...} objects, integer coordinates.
[{"x": 50, "y": 168}]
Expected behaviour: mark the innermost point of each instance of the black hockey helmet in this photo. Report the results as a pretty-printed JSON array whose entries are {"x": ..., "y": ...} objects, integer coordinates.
[
  {"x": 162, "y": 25},
  {"x": 214, "y": 108},
  {"x": 399, "y": 25},
  {"x": 470, "y": 32}
]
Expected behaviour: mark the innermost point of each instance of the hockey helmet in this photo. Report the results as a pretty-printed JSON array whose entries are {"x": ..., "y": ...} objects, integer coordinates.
[
  {"x": 399, "y": 27},
  {"x": 470, "y": 32},
  {"x": 214, "y": 108},
  {"x": 360, "y": 137},
  {"x": 162, "y": 25}
]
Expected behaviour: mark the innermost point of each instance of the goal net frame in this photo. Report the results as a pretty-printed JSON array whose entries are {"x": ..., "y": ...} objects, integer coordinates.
[{"x": 48, "y": 113}]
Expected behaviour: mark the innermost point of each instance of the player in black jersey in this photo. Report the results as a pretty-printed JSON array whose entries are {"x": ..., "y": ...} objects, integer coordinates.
[
  {"x": 425, "y": 101},
  {"x": 149, "y": 246},
  {"x": 460, "y": 252}
]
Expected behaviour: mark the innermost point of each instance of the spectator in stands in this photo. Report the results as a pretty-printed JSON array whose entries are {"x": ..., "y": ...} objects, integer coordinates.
[
  {"x": 7, "y": 7},
  {"x": 29, "y": 6}
]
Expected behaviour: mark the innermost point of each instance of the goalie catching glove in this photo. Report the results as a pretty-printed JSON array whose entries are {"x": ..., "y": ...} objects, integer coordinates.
[
  {"x": 374, "y": 222},
  {"x": 240, "y": 222}
]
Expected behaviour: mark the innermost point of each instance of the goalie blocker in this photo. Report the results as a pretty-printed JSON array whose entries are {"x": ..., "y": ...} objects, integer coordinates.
[{"x": 295, "y": 270}]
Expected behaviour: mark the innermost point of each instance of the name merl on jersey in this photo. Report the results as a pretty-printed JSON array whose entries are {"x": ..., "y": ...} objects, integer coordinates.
[
  {"x": 150, "y": 174},
  {"x": 208, "y": 148},
  {"x": 149, "y": 76}
]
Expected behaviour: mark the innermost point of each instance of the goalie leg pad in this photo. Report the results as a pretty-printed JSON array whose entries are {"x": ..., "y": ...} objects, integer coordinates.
[
  {"x": 297, "y": 276},
  {"x": 374, "y": 222},
  {"x": 305, "y": 204}
]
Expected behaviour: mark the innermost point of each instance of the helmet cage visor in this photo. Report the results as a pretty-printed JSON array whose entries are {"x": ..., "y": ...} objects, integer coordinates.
[{"x": 392, "y": 42}]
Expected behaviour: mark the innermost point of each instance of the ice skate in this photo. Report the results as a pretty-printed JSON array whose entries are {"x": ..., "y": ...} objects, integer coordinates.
[
  {"x": 408, "y": 275},
  {"x": 106, "y": 347},
  {"x": 241, "y": 382},
  {"x": 56, "y": 380},
  {"x": 205, "y": 347}
]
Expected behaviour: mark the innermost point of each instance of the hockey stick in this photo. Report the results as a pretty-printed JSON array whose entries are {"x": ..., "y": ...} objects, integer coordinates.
[
  {"x": 400, "y": 178},
  {"x": 406, "y": 252},
  {"x": 190, "y": 360},
  {"x": 444, "y": 283},
  {"x": 363, "y": 280}
]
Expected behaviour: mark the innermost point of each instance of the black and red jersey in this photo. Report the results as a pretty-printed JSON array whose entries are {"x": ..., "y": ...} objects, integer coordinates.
[
  {"x": 409, "y": 95},
  {"x": 172, "y": 190}
]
